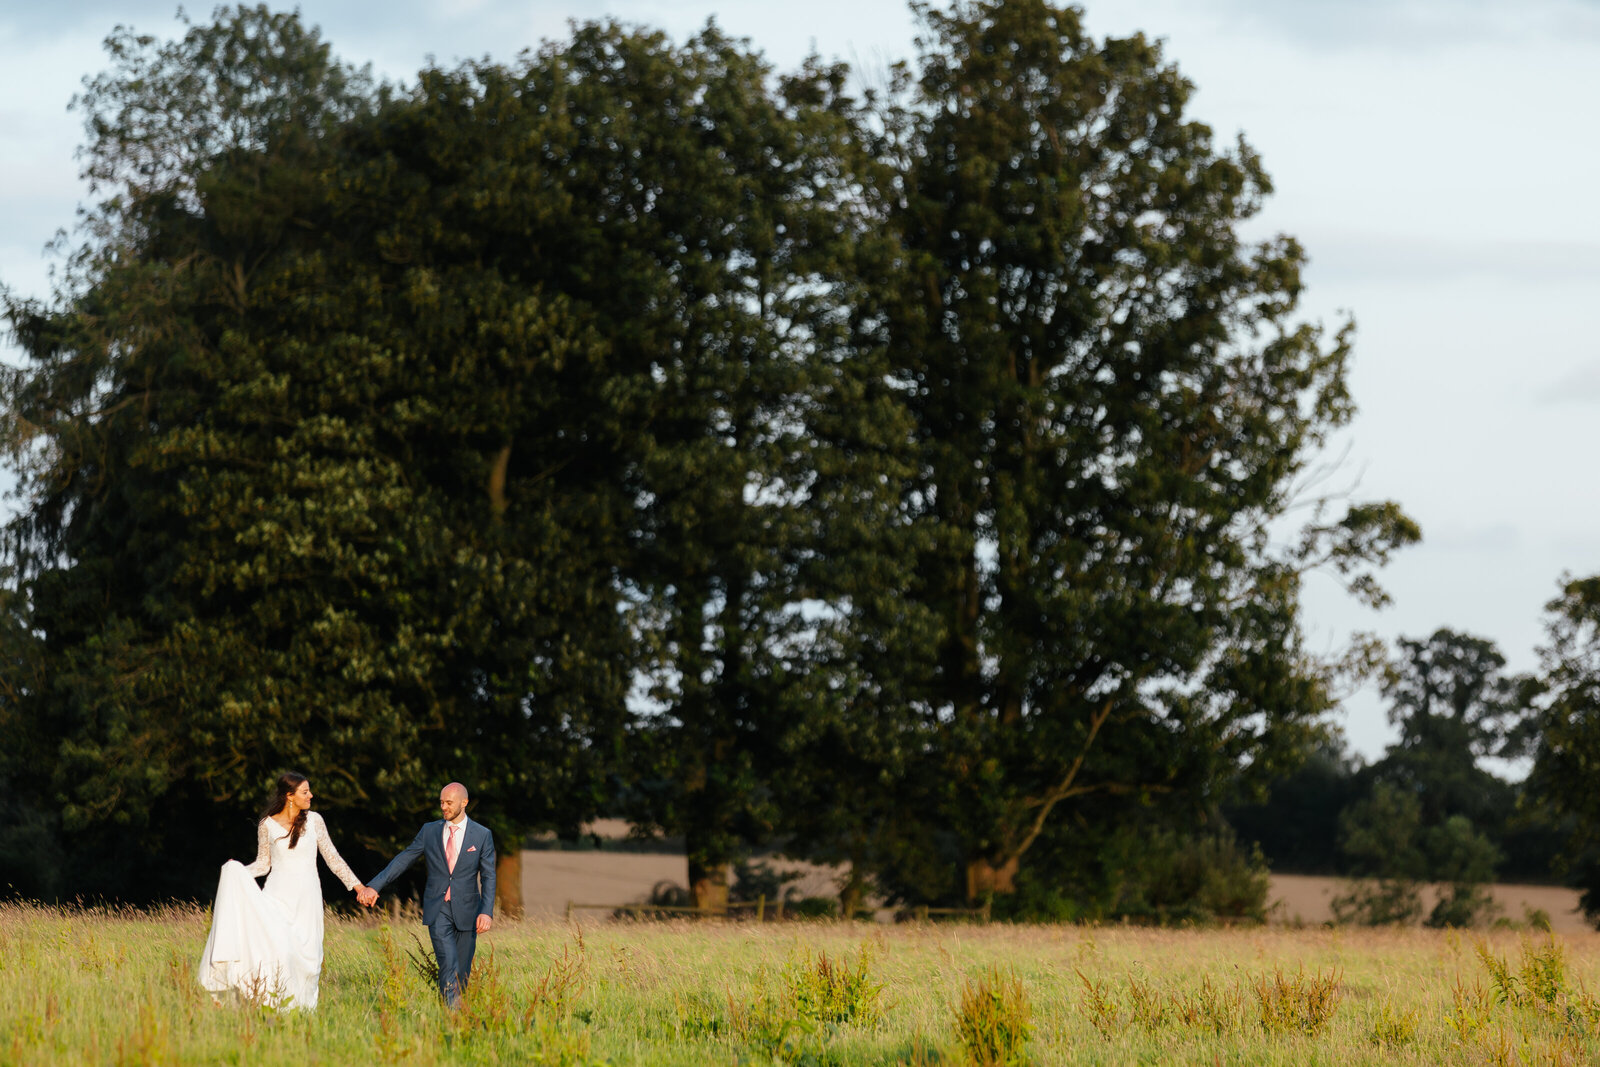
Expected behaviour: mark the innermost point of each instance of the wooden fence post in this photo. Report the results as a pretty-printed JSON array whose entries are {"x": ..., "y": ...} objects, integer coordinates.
[{"x": 761, "y": 907}]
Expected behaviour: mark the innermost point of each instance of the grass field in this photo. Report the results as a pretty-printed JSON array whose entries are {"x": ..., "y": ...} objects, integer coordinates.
[{"x": 85, "y": 986}]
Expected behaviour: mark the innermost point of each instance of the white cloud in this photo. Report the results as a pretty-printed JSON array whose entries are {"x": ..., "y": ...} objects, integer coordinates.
[
  {"x": 1432, "y": 258},
  {"x": 1581, "y": 385},
  {"x": 1401, "y": 29}
]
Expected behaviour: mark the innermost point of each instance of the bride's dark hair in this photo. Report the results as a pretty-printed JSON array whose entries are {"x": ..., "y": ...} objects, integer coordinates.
[{"x": 287, "y": 783}]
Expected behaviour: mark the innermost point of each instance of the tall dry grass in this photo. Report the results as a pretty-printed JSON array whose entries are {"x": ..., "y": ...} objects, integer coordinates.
[{"x": 99, "y": 986}]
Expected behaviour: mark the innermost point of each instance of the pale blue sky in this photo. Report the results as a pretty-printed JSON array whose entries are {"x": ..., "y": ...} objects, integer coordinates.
[{"x": 1438, "y": 158}]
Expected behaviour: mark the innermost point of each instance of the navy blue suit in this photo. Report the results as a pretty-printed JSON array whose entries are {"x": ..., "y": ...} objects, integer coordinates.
[{"x": 452, "y": 924}]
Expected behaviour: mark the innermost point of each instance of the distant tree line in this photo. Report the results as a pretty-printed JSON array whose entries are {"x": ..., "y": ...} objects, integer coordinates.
[
  {"x": 1428, "y": 810},
  {"x": 897, "y": 476}
]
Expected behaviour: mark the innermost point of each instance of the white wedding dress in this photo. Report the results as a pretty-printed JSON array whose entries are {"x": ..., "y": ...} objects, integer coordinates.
[{"x": 266, "y": 943}]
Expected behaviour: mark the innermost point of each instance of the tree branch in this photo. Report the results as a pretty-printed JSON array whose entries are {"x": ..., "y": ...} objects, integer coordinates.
[{"x": 1065, "y": 789}]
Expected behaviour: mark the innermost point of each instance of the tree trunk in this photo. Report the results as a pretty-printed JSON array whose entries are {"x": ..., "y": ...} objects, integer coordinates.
[
  {"x": 508, "y": 884},
  {"x": 850, "y": 896},
  {"x": 709, "y": 886},
  {"x": 984, "y": 878}
]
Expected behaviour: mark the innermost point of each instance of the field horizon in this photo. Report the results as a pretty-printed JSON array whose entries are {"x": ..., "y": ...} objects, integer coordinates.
[{"x": 550, "y": 879}]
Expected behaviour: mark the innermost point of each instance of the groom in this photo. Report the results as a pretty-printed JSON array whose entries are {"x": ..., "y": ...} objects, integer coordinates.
[{"x": 458, "y": 901}]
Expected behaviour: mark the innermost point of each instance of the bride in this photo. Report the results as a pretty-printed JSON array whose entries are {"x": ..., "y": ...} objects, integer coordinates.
[{"x": 266, "y": 944}]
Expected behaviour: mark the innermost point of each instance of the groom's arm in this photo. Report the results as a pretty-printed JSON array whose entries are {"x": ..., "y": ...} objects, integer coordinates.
[
  {"x": 399, "y": 864},
  {"x": 486, "y": 874}
]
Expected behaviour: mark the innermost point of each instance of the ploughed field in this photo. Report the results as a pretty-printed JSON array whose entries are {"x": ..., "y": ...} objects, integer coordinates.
[{"x": 92, "y": 986}]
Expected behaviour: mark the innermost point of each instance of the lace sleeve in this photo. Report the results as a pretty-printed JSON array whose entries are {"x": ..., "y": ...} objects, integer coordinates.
[
  {"x": 330, "y": 855},
  {"x": 263, "y": 862}
]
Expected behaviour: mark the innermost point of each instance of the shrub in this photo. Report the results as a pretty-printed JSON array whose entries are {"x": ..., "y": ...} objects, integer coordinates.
[
  {"x": 1101, "y": 1004},
  {"x": 1540, "y": 982},
  {"x": 1505, "y": 983},
  {"x": 994, "y": 1020},
  {"x": 831, "y": 990},
  {"x": 1469, "y": 1012},
  {"x": 1298, "y": 1004},
  {"x": 1219, "y": 1009},
  {"x": 1382, "y": 902},
  {"x": 813, "y": 908},
  {"x": 1156, "y": 876},
  {"x": 755, "y": 879},
  {"x": 1146, "y": 1007},
  {"x": 1393, "y": 1029},
  {"x": 560, "y": 985},
  {"x": 1463, "y": 904},
  {"x": 1544, "y": 972}
]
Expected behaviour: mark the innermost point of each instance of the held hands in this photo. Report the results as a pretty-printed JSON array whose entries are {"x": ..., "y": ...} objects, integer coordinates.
[{"x": 369, "y": 896}]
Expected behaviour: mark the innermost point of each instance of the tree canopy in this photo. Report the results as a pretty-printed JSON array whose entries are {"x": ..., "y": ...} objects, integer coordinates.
[{"x": 895, "y": 477}]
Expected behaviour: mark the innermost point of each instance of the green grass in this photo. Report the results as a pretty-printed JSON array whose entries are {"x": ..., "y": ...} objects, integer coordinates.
[{"x": 108, "y": 987}]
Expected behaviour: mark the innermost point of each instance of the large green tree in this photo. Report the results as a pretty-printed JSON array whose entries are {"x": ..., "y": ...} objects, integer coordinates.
[
  {"x": 717, "y": 240},
  {"x": 1567, "y": 757},
  {"x": 30, "y": 860},
  {"x": 305, "y": 483},
  {"x": 1454, "y": 705},
  {"x": 1114, "y": 401}
]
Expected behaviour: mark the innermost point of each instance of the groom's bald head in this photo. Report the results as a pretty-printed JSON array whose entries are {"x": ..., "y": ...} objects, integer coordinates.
[{"x": 452, "y": 801}]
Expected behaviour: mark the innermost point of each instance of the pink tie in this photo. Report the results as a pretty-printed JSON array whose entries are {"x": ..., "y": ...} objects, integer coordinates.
[{"x": 450, "y": 855}]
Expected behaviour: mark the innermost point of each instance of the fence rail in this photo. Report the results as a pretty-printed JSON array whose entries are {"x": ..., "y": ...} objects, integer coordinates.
[
  {"x": 759, "y": 905},
  {"x": 921, "y": 913}
]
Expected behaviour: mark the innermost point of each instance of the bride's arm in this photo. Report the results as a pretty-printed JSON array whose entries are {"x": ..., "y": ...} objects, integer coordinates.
[
  {"x": 330, "y": 855},
  {"x": 263, "y": 862}
]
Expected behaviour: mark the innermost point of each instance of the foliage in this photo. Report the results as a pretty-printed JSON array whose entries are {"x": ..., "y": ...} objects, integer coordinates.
[
  {"x": 1146, "y": 875},
  {"x": 1540, "y": 986},
  {"x": 753, "y": 880},
  {"x": 635, "y": 428},
  {"x": 31, "y": 861},
  {"x": 1569, "y": 741},
  {"x": 1431, "y": 813},
  {"x": 994, "y": 1020},
  {"x": 1454, "y": 706},
  {"x": 1379, "y": 835},
  {"x": 1394, "y": 1029},
  {"x": 719, "y": 257},
  {"x": 272, "y": 517},
  {"x": 1378, "y": 902},
  {"x": 1464, "y": 860},
  {"x": 1297, "y": 1004},
  {"x": 814, "y": 908},
  {"x": 1112, "y": 401},
  {"x": 1296, "y": 821},
  {"x": 1387, "y": 845},
  {"x": 832, "y": 990}
]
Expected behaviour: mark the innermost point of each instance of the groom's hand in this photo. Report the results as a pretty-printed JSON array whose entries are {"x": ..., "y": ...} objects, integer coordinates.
[
  {"x": 367, "y": 896},
  {"x": 484, "y": 922}
]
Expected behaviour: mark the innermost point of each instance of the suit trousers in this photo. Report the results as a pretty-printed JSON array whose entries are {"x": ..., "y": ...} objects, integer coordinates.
[{"x": 453, "y": 946}]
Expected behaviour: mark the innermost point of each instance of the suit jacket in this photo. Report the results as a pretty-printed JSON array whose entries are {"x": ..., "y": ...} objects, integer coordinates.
[{"x": 471, "y": 885}]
